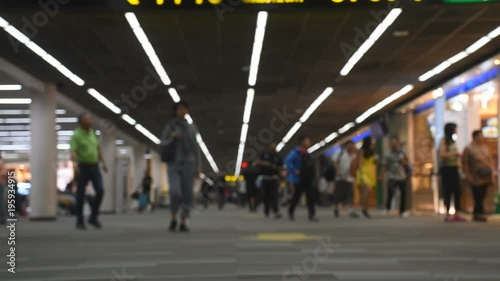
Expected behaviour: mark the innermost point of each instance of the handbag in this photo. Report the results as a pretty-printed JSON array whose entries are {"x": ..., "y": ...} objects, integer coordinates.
[
  {"x": 168, "y": 151},
  {"x": 484, "y": 172}
]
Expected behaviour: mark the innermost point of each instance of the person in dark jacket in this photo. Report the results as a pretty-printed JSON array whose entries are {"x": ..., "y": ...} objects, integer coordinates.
[
  {"x": 184, "y": 167},
  {"x": 301, "y": 174},
  {"x": 270, "y": 165},
  {"x": 251, "y": 174}
]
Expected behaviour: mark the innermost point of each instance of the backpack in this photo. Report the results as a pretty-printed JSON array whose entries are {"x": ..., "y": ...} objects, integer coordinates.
[
  {"x": 330, "y": 172},
  {"x": 168, "y": 151}
]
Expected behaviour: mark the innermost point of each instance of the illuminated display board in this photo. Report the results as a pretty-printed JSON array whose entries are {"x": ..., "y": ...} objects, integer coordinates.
[
  {"x": 267, "y": 4},
  {"x": 136, "y": 5}
]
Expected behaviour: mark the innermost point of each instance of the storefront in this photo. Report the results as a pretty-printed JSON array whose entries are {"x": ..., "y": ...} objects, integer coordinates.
[{"x": 469, "y": 100}]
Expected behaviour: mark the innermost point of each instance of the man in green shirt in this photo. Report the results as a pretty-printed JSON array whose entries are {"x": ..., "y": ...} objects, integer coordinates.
[{"x": 86, "y": 153}]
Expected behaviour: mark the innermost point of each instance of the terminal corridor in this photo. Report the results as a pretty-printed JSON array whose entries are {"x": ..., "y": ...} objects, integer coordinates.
[{"x": 235, "y": 245}]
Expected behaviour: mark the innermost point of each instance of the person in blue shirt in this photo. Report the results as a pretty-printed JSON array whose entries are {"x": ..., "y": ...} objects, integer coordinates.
[{"x": 301, "y": 174}]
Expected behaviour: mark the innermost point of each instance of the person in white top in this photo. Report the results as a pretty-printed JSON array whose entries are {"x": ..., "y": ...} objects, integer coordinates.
[{"x": 344, "y": 184}]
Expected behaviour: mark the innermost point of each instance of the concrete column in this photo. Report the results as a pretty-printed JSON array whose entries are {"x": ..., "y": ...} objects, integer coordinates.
[
  {"x": 439, "y": 109},
  {"x": 43, "y": 156},
  {"x": 156, "y": 174},
  {"x": 108, "y": 147},
  {"x": 139, "y": 165}
]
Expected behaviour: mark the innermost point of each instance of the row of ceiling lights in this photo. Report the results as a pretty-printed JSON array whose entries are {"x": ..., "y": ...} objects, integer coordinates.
[
  {"x": 260, "y": 31},
  {"x": 160, "y": 70},
  {"x": 355, "y": 58},
  {"x": 408, "y": 88},
  {"x": 14, "y": 32}
]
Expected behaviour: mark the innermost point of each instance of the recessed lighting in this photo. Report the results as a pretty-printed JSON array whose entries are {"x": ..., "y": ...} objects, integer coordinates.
[{"x": 496, "y": 62}]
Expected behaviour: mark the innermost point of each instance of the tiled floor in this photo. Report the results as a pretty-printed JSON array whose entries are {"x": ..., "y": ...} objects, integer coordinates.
[{"x": 235, "y": 245}]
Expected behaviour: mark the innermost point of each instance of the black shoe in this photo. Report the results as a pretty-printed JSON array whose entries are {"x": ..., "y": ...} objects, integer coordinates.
[
  {"x": 480, "y": 219},
  {"x": 173, "y": 226},
  {"x": 336, "y": 212},
  {"x": 366, "y": 215},
  {"x": 354, "y": 215},
  {"x": 183, "y": 228},
  {"x": 95, "y": 223},
  {"x": 81, "y": 226},
  {"x": 313, "y": 219},
  {"x": 278, "y": 216},
  {"x": 291, "y": 217}
]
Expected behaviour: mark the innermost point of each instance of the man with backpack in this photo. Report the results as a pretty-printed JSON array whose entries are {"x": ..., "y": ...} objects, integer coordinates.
[{"x": 301, "y": 174}]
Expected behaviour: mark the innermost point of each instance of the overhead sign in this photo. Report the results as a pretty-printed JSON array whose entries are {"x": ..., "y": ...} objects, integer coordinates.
[{"x": 262, "y": 3}]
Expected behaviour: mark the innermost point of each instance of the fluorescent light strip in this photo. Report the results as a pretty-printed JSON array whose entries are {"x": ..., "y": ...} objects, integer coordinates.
[
  {"x": 248, "y": 105},
  {"x": 405, "y": 90},
  {"x": 10, "y": 87},
  {"x": 104, "y": 101},
  {"x": 27, "y": 147},
  {"x": 14, "y": 32},
  {"x": 305, "y": 116},
  {"x": 239, "y": 159},
  {"x": 381, "y": 28},
  {"x": 260, "y": 31},
  {"x": 331, "y": 137},
  {"x": 175, "y": 96},
  {"x": 460, "y": 56},
  {"x": 28, "y": 138},
  {"x": 28, "y": 120},
  {"x": 292, "y": 132},
  {"x": 347, "y": 127},
  {"x": 205, "y": 151},
  {"x": 160, "y": 70},
  {"x": 148, "y": 48},
  {"x": 316, "y": 146},
  {"x": 147, "y": 133},
  {"x": 15, "y": 101},
  {"x": 129, "y": 119},
  {"x": 319, "y": 100},
  {"x": 244, "y": 130},
  {"x": 280, "y": 146}
]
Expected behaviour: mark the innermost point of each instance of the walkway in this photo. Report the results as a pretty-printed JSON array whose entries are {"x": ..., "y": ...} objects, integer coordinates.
[{"x": 235, "y": 245}]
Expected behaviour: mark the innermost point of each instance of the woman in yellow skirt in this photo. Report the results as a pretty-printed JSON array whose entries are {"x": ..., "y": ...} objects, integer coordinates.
[{"x": 366, "y": 175}]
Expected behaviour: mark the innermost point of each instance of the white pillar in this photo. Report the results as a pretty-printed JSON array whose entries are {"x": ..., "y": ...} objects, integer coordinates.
[
  {"x": 439, "y": 109},
  {"x": 108, "y": 147},
  {"x": 139, "y": 166},
  {"x": 43, "y": 156},
  {"x": 156, "y": 174}
]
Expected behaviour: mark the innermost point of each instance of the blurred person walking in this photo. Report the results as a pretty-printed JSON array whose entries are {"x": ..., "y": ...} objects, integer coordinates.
[
  {"x": 478, "y": 166},
  {"x": 396, "y": 170},
  {"x": 366, "y": 175},
  {"x": 449, "y": 170},
  {"x": 181, "y": 152},
  {"x": 145, "y": 197},
  {"x": 86, "y": 154},
  {"x": 301, "y": 174},
  {"x": 344, "y": 184},
  {"x": 270, "y": 164},
  {"x": 250, "y": 174}
]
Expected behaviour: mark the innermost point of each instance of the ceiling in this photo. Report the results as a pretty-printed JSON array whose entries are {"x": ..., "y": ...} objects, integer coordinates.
[{"x": 207, "y": 60}]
